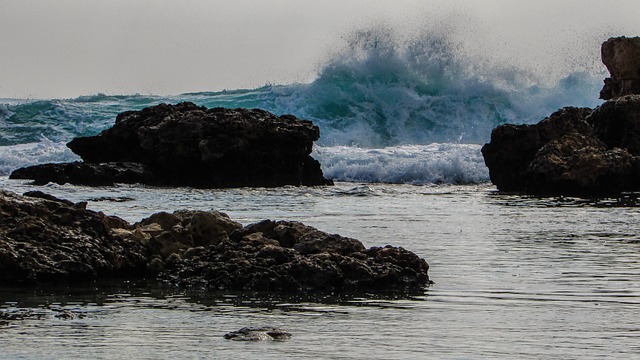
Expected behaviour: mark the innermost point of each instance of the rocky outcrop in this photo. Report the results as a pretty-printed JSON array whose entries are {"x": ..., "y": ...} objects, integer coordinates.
[
  {"x": 189, "y": 145},
  {"x": 576, "y": 151},
  {"x": 621, "y": 56},
  {"x": 513, "y": 147},
  {"x": 44, "y": 239},
  {"x": 289, "y": 256}
]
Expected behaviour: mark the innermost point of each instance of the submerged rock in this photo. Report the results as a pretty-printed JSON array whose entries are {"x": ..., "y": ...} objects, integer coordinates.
[
  {"x": 258, "y": 334},
  {"x": 189, "y": 145},
  {"x": 44, "y": 239},
  {"x": 576, "y": 151}
]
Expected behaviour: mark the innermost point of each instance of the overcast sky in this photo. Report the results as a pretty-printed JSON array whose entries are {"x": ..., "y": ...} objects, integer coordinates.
[{"x": 68, "y": 48}]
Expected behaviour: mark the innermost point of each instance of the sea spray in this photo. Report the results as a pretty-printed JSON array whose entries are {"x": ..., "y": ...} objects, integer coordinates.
[{"x": 382, "y": 90}]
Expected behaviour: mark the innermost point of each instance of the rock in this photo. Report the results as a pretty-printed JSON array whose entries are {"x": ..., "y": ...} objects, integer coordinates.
[
  {"x": 101, "y": 174},
  {"x": 513, "y": 147},
  {"x": 575, "y": 151},
  {"x": 189, "y": 145},
  {"x": 44, "y": 239},
  {"x": 181, "y": 230},
  {"x": 258, "y": 334},
  {"x": 578, "y": 165},
  {"x": 617, "y": 123},
  {"x": 621, "y": 56},
  {"x": 254, "y": 258}
]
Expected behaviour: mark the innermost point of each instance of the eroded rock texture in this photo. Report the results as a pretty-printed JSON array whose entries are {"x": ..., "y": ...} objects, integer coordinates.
[
  {"x": 189, "y": 145},
  {"x": 44, "y": 239},
  {"x": 577, "y": 151}
]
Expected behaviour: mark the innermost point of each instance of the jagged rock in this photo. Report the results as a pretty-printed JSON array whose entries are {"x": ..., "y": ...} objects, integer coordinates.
[
  {"x": 513, "y": 147},
  {"x": 189, "y": 145},
  {"x": 171, "y": 233},
  {"x": 258, "y": 334},
  {"x": 254, "y": 258},
  {"x": 621, "y": 56},
  {"x": 44, "y": 239},
  {"x": 577, "y": 151},
  {"x": 617, "y": 123},
  {"x": 575, "y": 164}
]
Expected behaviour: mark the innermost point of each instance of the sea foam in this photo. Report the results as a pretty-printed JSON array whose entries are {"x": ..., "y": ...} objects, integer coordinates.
[{"x": 408, "y": 164}]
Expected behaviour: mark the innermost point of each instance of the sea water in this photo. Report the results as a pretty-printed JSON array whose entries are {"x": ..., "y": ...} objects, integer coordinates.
[
  {"x": 515, "y": 277},
  {"x": 402, "y": 124}
]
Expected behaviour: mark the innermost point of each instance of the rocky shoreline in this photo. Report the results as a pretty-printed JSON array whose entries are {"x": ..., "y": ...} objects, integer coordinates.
[
  {"x": 45, "y": 240},
  {"x": 577, "y": 151}
]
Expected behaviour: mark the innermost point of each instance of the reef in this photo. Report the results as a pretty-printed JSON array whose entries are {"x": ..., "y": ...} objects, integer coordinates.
[
  {"x": 577, "y": 151},
  {"x": 189, "y": 145},
  {"x": 44, "y": 239}
]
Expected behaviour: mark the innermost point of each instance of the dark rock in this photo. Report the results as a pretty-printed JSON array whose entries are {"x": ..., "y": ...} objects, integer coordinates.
[
  {"x": 102, "y": 174},
  {"x": 621, "y": 56},
  {"x": 44, "y": 239},
  {"x": 258, "y": 334},
  {"x": 513, "y": 147},
  {"x": 189, "y": 145},
  {"x": 577, "y": 151},
  {"x": 617, "y": 123},
  {"x": 254, "y": 258},
  {"x": 578, "y": 165},
  {"x": 167, "y": 234}
]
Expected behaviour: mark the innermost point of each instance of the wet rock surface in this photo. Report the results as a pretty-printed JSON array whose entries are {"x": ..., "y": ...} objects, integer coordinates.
[
  {"x": 258, "y": 334},
  {"x": 189, "y": 145},
  {"x": 577, "y": 151},
  {"x": 44, "y": 239},
  {"x": 290, "y": 256}
]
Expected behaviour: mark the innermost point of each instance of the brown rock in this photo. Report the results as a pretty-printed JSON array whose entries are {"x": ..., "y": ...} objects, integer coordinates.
[
  {"x": 513, "y": 147},
  {"x": 621, "y": 56},
  {"x": 44, "y": 239}
]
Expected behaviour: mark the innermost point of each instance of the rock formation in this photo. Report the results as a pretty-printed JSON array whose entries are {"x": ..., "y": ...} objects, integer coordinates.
[
  {"x": 189, "y": 145},
  {"x": 577, "y": 151},
  {"x": 44, "y": 239},
  {"x": 621, "y": 56}
]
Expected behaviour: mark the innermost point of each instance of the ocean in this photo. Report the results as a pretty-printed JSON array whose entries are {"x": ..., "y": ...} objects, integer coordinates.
[{"x": 401, "y": 131}]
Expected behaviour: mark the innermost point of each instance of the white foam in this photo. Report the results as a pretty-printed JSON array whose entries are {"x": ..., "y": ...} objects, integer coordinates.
[
  {"x": 408, "y": 164},
  {"x": 46, "y": 151}
]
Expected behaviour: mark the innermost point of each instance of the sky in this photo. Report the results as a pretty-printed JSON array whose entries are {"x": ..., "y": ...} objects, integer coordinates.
[{"x": 70, "y": 48}]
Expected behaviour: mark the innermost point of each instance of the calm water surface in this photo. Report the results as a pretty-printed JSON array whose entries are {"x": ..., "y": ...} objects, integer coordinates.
[{"x": 515, "y": 277}]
